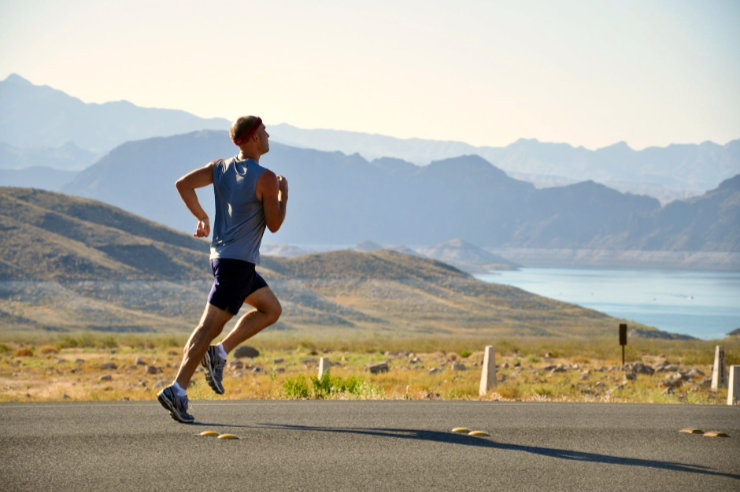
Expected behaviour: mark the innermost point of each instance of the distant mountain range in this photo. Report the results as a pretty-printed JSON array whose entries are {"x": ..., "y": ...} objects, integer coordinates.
[
  {"x": 68, "y": 157},
  {"x": 69, "y": 264},
  {"x": 668, "y": 173},
  {"x": 342, "y": 200},
  {"x": 41, "y": 126},
  {"x": 38, "y": 121}
]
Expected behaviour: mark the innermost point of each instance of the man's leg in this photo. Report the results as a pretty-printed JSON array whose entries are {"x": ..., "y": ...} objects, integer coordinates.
[
  {"x": 173, "y": 397},
  {"x": 266, "y": 311},
  {"x": 210, "y": 326}
]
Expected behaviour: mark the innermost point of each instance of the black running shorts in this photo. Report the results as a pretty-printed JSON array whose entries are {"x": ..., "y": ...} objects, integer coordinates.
[{"x": 233, "y": 282}]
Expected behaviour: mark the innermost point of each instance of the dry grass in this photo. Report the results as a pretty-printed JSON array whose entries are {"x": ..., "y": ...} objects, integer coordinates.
[{"x": 101, "y": 368}]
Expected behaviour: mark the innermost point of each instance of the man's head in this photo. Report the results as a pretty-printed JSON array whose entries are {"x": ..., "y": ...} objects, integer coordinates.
[
  {"x": 248, "y": 133},
  {"x": 243, "y": 128}
]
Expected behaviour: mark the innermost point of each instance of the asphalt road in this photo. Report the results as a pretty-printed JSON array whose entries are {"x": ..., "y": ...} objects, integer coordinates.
[{"x": 368, "y": 445}]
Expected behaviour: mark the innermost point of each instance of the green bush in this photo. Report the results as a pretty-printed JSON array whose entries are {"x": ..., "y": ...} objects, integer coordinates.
[
  {"x": 296, "y": 388},
  {"x": 68, "y": 342},
  {"x": 532, "y": 359},
  {"x": 324, "y": 387},
  {"x": 321, "y": 388},
  {"x": 4, "y": 348},
  {"x": 352, "y": 385}
]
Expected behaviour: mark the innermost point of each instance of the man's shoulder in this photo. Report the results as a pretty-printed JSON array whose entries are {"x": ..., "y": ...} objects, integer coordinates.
[{"x": 266, "y": 173}]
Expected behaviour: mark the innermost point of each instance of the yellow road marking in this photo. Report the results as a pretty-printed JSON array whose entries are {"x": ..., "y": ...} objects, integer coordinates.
[
  {"x": 479, "y": 433},
  {"x": 227, "y": 436},
  {"x": 692, "y": 431},
  {"x": 715, "y": 434}
]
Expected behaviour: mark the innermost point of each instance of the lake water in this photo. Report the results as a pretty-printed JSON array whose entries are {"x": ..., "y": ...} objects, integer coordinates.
[{"x": 701, "y": 304}]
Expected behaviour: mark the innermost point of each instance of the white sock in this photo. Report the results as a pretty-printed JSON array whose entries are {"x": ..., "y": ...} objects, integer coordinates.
[
  {"x": 221, "y": 350},
  {"x": 178, "y": 388}
]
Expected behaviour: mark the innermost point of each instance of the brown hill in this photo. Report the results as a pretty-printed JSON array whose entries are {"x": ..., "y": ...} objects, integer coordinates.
[
  {"x": 397, "y": 293},
  {"x": 74, "y": 264},
  {"x": 54, "y": 236}
]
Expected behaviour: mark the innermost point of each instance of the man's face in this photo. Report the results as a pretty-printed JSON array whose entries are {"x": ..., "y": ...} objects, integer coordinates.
[{"x": 263, "y": 137}]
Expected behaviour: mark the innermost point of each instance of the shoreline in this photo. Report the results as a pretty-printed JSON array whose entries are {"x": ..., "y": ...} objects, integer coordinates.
[
  {"x": 723, "y": 261},
  {"x": 696, "y": 303}
]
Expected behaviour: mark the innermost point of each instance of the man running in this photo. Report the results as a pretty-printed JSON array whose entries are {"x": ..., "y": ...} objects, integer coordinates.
[{"x": 248, "y": 199}]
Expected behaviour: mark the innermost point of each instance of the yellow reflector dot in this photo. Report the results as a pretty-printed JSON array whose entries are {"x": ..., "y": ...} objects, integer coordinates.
[
  {"x": 692, "y": 431},
  {"x": 715, "y": 434}
]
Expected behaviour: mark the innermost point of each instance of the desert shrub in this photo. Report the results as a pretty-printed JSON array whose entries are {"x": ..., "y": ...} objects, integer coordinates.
[
  {"x": 109, "y": 342},
  {"x": 68, "y": 341},
  {"x": 327, "y": 385},
  {"x": 4, "y": 348},
  {"x": 352, "y": 385},
  {"x": 296, "y": 388},
  {"x": 48, "y": 349},
  {"x": 321, "y": 387},
  {"x": 509, "y": 392},
  {"x": 465, "y": 353},
  {"x": 324, "y": 387},
  {"x": 532, "y": 359},
  {"x": 80, "y": 340},
  {"x": 543, "y": 390},
  {"x": 24, "y": 352}
]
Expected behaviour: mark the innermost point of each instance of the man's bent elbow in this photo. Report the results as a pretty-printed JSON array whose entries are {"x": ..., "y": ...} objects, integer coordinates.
[{"x": 274, "y": 227}]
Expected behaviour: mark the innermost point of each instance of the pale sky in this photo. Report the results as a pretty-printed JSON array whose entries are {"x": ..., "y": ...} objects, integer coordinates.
[{"x": 585, "y": 72}]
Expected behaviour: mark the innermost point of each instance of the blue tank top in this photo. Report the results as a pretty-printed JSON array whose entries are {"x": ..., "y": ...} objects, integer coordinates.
[{"x": 240, "y": 219}]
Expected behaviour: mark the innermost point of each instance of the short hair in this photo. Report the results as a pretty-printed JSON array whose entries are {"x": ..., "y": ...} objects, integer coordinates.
[{"x": 243, "y": 128}]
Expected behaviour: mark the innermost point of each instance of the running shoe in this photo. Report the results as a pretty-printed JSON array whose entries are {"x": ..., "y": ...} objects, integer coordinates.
[
  {"x": 177, "y": 405},
  {"x": 214, "y": 369}
]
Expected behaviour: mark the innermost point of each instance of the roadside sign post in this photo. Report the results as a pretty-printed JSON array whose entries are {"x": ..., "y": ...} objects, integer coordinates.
[
  {"x": 718, "y": 369},
  {"x": 622, "y": 338}
]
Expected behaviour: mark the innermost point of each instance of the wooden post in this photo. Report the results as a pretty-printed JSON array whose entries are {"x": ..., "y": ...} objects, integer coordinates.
[
  {"x": 718, "y": 369},
  {"x": 324, "y": 366},
  {"x": 488, "y": 373},
  {"x": 622, "y": 338},
  {"x": 733, "y": 389}
]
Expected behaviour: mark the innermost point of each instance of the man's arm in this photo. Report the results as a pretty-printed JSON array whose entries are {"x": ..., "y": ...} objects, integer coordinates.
[
  {"x": 186, "y": 186},
  {"x": 273, "y": 192}
]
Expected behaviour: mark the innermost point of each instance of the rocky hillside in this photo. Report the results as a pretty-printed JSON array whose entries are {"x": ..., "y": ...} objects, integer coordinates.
[
  {"x": 50, "y": 236},
  {"x": 73, "y": 264}
]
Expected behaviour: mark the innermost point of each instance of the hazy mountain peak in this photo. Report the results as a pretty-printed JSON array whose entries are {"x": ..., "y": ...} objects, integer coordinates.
[
  {"x": 620, "y": 146},
  {"x": 732, "y": 184},
  {"x": 470, "y": 160},
  {"x": 16, "y": 79},
  {"x": 525, "y": 141},
  {"x": 40, "y": 116}
]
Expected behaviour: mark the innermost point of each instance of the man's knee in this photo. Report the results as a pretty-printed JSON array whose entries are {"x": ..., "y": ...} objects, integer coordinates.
[
  {"x": 273, "y": 311},
  {"x": 268, "y": 305}
]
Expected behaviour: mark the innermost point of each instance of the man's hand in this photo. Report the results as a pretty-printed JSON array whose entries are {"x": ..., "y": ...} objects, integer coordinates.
[
  {"x": 273, "y": 192},
  {"x": 203, "y": 229},
  {"x": 282, "y": 185},
  {"x": 197, "y": 178}
]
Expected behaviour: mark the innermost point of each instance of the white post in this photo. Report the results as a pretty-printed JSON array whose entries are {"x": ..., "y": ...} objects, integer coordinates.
[
  {"x": 718, "y": 369},
  {"x": 488, "y": 374},
  {"x": 324, "y": 366},
  {"x": 733, "y": 390}
]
